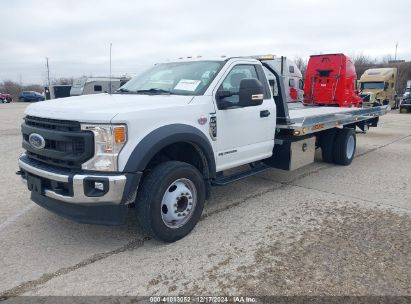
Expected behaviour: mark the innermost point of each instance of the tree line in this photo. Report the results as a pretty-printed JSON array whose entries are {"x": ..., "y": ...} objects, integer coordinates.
[{"x": 14, "y": 88}]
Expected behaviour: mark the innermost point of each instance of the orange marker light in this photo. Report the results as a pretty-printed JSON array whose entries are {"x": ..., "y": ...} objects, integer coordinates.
[{"x": 119, "y": 135}]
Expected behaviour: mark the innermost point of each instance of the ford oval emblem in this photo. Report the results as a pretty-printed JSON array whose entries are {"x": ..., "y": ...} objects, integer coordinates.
[{"x": 37, "y": 141}]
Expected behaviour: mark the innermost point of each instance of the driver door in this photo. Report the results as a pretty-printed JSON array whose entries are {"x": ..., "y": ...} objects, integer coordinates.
[{"x": 244, "y": 134}]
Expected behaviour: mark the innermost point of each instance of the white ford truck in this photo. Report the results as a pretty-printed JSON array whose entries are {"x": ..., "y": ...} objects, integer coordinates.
[{"x": 163, "y": 139}]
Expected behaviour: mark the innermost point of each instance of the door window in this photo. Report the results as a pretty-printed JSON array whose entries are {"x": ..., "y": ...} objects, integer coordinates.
[
  {"x": 232, "y": 81},
  {"x": 272, "y": 81}
]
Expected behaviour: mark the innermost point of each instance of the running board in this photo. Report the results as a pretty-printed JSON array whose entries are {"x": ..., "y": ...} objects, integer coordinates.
[{"x": 225, "y": 180}]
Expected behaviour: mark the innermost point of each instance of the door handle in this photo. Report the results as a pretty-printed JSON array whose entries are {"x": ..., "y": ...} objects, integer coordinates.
[{"x": 265, "y": 113}]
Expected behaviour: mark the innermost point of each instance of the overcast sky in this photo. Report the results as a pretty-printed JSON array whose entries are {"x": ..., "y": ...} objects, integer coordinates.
[{"x": 76, "y": 35}]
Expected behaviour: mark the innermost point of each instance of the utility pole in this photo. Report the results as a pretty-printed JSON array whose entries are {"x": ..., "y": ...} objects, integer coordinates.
[
  {"x": 110, "y": 67},
  {"x": 396, "y": 46},
  {"x": 48, "y": 71}
]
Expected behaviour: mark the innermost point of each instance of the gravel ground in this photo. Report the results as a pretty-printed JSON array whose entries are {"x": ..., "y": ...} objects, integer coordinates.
[{"x": 320, "y": 230}]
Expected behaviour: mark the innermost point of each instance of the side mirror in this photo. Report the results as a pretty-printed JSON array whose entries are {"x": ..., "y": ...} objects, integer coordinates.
[
  {"x": 223, "y": 94},
  {"x": 221, "y": 102},
  {"x": 251, "y": 93}
]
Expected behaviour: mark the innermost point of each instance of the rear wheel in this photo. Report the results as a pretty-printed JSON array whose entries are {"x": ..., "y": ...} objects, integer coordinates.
[
  {"x": 326, "y": 143},
  {"x": 170, "y": 201},
  {"x": 344, "y": 146}
]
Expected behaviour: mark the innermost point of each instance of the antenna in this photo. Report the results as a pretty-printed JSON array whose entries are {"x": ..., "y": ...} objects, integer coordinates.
[
  {"x": 48, "y": 79},
  {"x": 110, "y": 68}
]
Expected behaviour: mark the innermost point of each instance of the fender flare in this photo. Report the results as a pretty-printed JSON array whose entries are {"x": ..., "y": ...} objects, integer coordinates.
[{"x": 164, "y": 136}]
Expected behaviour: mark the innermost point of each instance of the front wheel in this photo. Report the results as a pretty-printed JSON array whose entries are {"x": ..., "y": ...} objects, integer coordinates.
[{"x": 170, "y": 201}]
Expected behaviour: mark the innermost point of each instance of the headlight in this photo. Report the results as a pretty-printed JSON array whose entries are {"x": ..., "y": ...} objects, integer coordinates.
[{"x": 108, "y": 142}]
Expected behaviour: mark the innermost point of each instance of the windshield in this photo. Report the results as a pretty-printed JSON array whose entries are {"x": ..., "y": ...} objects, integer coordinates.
[
  {"x": 180, "y": 78},
  {"x": 372, "y": 85}
]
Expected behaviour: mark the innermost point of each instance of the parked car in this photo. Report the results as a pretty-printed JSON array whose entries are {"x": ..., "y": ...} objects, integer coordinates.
[
  {"x": 5, "y": 98},
  {"x": 405, "y": 105},
  {"x": 407, "y": 92},
  {"x": 30, "y": 96}
]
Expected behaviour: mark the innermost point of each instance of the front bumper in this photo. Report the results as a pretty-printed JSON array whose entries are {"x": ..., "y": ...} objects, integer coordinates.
[{"x": 74, "y": 196}]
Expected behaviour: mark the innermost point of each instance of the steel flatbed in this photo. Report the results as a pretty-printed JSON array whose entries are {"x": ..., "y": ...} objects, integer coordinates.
[{"x": 305, "y": 120}]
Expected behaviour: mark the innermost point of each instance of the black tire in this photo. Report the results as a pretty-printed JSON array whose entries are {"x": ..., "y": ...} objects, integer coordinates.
[
  {"x": 326, "y": 143},
  {"x": 344, "y": 146},
  {"x": 22, "y": 99},
  {"x": 149, "y": 202}
]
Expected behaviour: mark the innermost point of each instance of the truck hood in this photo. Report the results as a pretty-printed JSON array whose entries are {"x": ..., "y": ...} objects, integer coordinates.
[
  {"x": 372, "y": 91},
  {"x": 102, "y": 107},
  {"x": 366, "y": 93}
]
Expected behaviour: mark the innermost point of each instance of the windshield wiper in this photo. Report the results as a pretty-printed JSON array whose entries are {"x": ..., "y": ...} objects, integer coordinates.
[
  {"x": 154, "y": 91},
  {"x": 121, "y": 90}
]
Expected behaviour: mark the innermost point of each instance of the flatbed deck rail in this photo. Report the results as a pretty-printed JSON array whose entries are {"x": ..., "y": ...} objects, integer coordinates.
[{"x": 307, "y": 120}]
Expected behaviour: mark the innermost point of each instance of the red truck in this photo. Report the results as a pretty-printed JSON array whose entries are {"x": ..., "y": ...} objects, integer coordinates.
[{"x": 330, "y": 80}]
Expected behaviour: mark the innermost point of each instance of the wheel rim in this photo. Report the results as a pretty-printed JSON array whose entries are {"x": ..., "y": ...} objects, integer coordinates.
[
  {"x": 350, "y": 147},
  {"x": 178, "y": 203}
]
